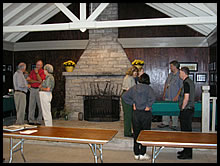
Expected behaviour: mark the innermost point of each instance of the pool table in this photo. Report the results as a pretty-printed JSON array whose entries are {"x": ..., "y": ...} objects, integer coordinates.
[
  {"x": 8, "y": 103},
  {"x": 172, "y": 108}
]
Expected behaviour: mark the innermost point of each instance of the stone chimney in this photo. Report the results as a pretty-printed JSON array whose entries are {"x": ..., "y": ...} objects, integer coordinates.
[
  {"x": 103, "y": 60},
  {"x": 103, "y": 54}
]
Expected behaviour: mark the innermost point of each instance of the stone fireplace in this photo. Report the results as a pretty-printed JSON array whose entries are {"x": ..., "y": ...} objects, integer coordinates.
[{"x": 100, "y": 69}]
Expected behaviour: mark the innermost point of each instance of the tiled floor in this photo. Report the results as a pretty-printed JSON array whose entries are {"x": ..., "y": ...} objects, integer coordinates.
[{"x": 119, "y": 150}]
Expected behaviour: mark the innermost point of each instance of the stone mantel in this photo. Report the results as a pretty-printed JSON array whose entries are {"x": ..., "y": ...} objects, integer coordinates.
[{"x": 76, "y": 74}]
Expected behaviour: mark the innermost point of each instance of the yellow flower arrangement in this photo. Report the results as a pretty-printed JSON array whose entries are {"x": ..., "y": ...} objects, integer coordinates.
[
  {"x": 69, "y": 63},
  {"x": 138, "y": 62}
]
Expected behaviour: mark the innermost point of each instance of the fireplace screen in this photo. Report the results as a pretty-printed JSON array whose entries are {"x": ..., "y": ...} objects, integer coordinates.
[
  {"x": 101, "y": 108},
  {"x": 102, "y": 101}
]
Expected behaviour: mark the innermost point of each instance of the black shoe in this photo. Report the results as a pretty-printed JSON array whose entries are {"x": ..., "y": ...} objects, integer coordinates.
[
  {"x": 184, "y": 156},
  {"x": 173, "y": 128},
  {"x": 180, "y": 152},
  {"x": 162, "y": 125},
  {"x": 31, "y": 123},
  {"x": 38, "y": 124},
  {"x": 130, "y": 135}
]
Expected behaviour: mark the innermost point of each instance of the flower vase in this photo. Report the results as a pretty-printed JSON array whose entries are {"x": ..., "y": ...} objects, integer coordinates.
[
  {"x": 138, "y": 66},
  {"x": 69, "y": 68}
]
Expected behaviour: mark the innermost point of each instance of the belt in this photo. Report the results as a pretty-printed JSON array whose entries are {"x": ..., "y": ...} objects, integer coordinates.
[
  {"x": 35, "y": 87},
  {"x": 143, "y": 110},
  {"x": 20, "y": 91},
  {"x": 189, "y": 108}
]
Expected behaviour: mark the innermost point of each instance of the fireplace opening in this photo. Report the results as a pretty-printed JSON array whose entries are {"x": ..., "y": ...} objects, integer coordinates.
[
  {"x": 102, "y": 101},
  {"x": 101, "y": 108}
]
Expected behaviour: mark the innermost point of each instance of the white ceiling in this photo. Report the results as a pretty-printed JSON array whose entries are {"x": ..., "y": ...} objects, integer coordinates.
[
  {"x": 26, "y": 14},
  {"x": 21, "y": 18},
  {"x": 189, "y": 10}
]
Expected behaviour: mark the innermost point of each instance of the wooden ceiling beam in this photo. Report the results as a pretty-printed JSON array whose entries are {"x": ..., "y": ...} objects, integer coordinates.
[
  {"x": 97, "y": 11},
  {"x": 67, "y": 12},
  {"x": 112, "y": 24}
]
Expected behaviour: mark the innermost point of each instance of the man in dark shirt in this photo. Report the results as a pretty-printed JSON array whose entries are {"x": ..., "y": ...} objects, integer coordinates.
[
  {"x": 141, "y": 97},
  {"x": 186, "y": 105}
]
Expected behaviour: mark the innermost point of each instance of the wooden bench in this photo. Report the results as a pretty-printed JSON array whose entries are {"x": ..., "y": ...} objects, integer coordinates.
[
  {"x": 176, "y": 139},
  {"x": 95, "y": 138}
]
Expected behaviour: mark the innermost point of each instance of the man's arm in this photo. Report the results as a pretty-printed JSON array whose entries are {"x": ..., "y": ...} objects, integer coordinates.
[
  {"x": 164, "y": 91},
  {"x": 186, "y": 95},
  {"x": 151, "y": 99},
  {"x": 38, "y": 75},
  {"x": 176, "y": 97},
  {"x": 165, "y": 87},
  {"x": 31, "y": 81},
  {"x": 185, "y": 100},
  {"x": 180, "y": 82}
]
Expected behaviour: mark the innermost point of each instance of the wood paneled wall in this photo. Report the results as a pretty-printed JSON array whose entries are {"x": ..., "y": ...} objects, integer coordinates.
[
  {"x": 213, "y": 72},
  {"x": 157, "y": 64},
  {"x": 55, "y": 58},
  {"x": 7, "y": 58},
  {"x": 141, "y": 10}
]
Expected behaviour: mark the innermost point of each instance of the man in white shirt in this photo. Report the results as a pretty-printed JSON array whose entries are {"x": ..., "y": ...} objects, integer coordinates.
[{"x": 21, "y": 86}]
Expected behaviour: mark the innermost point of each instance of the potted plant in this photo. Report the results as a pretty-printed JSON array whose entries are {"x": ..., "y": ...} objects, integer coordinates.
[
  {"x": 138, "y": 63},
  {"x": 69, "y": 65},
  {"x": 64, "y": 113}
]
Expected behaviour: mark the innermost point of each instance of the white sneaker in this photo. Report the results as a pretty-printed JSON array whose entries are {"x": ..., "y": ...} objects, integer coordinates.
[
  {"x": 136, "y": 157},
  {"x": 144, "y": 157}
]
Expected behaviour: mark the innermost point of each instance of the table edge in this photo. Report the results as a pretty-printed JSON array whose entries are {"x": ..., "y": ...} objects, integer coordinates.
[
  {"x": 44, "y": 138},
  {"x": 61, "y": 139},
  {"x": 175, "y": 144}
]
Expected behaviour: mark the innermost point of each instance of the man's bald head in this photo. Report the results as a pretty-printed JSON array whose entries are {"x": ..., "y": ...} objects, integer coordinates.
[{"x": 22, "y": 66}]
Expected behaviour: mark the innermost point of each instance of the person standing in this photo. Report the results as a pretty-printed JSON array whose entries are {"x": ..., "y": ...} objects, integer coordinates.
[
  {"x": 171, "y": 92},
  {"x": 141, "y": 97},
  {"x": 21, "y": 87},
  {"x": 35, "y": 79},
  {"x": 45, "y": 93},
  {"x": 140, "y": 72},
  {"x": 128, "y": 82},
  {"x": 186, "y": 105}
]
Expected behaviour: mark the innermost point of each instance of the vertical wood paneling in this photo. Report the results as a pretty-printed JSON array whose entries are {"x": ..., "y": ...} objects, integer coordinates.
[
  {"x": 141, "y": 10},
  {"x": 55, "y": 58},
  {"x": 7, "y": 60},
  {"x": 157, "y": 64}
]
